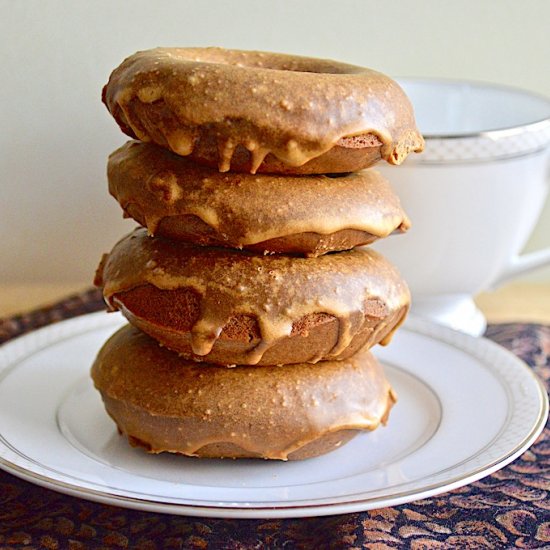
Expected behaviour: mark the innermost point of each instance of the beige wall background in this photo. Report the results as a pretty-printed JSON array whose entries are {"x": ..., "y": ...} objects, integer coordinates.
[{"x": 56, "y": 217}]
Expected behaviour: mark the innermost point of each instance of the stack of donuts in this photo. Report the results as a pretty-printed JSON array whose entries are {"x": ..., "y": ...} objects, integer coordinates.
[{"x": 251, "y": 310}]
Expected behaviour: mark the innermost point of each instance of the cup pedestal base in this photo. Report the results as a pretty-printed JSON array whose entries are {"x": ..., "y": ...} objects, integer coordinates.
[{"x": 457, "y": 311}]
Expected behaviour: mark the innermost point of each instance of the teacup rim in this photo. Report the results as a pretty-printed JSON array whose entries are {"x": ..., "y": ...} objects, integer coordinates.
[{"x": 504, "y": 131}]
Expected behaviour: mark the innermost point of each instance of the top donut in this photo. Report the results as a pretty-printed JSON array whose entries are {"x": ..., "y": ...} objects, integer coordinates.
[{"x": 262, "y": 112}]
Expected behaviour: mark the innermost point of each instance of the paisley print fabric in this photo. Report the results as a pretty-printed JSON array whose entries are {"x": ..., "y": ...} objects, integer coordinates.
[{"x": 509, "y": 509}]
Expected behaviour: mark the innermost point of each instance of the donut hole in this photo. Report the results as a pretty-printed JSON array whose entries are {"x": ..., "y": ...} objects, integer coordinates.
[{"x": 260, "y": 60}]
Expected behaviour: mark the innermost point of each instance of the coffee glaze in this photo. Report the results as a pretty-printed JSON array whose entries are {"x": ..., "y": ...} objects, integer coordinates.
[
  {"x": 163, "y": 402},
  {"x": 236, "y": 307},
  {"x": 308, "y": 215},
  {"x": 292, "y": 108}
]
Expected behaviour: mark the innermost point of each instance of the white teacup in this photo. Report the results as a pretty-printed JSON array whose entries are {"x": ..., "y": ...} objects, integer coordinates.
[{"x": 474, "y": 195}]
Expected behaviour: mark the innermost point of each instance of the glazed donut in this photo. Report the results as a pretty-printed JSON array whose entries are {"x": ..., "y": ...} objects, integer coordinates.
[
  {"x": 306, "y": 215},
  {"x": 162, "y": 402},
  {"x": 262, "y": 112},
  {"x": 240, "y": 308}
]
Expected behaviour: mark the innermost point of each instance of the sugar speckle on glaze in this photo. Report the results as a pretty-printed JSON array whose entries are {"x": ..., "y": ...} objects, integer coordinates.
[
  {"x": 357, "y": 396},
  {"x": 231, "y": 282},
  {"x": 246, "y": 208},
  {"x": 359, "y": 99}
]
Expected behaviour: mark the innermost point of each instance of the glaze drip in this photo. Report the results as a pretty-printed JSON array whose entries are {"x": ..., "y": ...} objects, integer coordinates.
[
  {"x": 295, "y": 108},
  {"x": 155, "y": 184},
  {"x": 175, "y": 405},
  {"x": 277, "y": 291}
]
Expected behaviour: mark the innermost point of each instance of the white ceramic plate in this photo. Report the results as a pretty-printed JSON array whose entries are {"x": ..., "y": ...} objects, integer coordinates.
[{"x": 466, "y": 408}]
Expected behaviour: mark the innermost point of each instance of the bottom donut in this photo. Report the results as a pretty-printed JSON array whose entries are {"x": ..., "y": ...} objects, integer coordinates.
[{"x": 165, "y": 403}]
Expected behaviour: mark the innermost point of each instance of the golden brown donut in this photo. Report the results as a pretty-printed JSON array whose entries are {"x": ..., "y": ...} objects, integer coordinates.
[
  {"x": 230, "y": 307},
  {"x": 262, "y": 112},
  {"x": 162, "y": 402},
  {"x": 307, "y": 215}
]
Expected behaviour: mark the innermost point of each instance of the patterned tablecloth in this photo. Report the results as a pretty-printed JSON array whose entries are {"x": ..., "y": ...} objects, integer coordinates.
[{"x": 509, "y": 509}]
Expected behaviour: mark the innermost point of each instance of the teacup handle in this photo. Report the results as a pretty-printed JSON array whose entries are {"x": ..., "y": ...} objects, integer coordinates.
[{"x": 523, "y": 264}]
